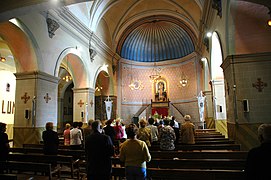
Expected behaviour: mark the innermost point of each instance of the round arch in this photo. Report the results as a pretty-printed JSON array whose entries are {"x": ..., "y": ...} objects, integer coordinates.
[
  {"x": 76, "y": 67},
  {"x": 216, "y": 58},
  {"x": 25, "y": 52}
]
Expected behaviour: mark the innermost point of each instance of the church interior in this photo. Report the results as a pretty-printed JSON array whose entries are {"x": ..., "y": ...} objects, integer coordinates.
[{"x": 64, "y": 61}]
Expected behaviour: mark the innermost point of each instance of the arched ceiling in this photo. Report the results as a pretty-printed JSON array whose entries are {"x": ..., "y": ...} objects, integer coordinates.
[
  {"x": 156, "y": 40},
  {"x": 119, "y": 16}
]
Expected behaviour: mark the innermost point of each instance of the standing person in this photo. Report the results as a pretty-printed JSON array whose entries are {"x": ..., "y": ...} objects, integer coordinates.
[
  {"x": 109, "y": 130},
  {"x": 259, "y": 157},
  {"x": 118, "y": 130},
  {"x": 76, "y": 137},
  {"x": 167, "y": 136},
  {"x": 50, "y": 140},
  {"x": 66, "y": 134},
  {"x": 119, "y": 135},
  {"x": 144, "y": 133},
  {"x": 154, "y": 131},
  {"x": 134, "y": 153},
  {"x": 124, "y": 137},
  {"x": 187, "y": 131},
  {"x": 175, "y": 125},
  {"x": 87, "y": 130},
  {"x": 99, "y": 150},
  {"x": 4, "y": 142}
]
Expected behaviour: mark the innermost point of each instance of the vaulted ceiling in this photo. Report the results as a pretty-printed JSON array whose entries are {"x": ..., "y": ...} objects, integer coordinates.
[{"x": 141, "y": 30}]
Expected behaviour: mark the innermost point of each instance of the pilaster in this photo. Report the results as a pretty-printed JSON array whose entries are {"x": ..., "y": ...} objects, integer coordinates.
[
  {"x": 35, "y": 104},
  {"x": 84, "y": 106}
]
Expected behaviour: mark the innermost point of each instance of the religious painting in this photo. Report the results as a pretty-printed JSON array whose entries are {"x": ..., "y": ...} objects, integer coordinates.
[{"x": 160, "y": 90}]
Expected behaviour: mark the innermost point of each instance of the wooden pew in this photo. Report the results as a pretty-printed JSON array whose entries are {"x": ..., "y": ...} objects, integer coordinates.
[
  {"x": 205, "y": 130},
  {"x": 67, "y": 163},
  {"x": 229, "y": 164},
  {"x": 223, "y": 164},
  {"x": 200, "y": 147},
  {"x": 199, "y": 155},
  {"x": 210, "y": 139},
  {"x": 77, "y": 154},
  {"x": 8, "y": 176},
  {"x": 41, "y": 146},
  {"x": 187, "y": 174},
  {"x": 206, "y": 142},
  {"x": 29, "y": 168},
  {"x": 194, "y": 174},
  {"x": 209, "y": 135}
]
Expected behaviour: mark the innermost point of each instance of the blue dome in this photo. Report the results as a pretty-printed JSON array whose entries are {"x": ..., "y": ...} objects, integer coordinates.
[{"x": 155, "y": 41}]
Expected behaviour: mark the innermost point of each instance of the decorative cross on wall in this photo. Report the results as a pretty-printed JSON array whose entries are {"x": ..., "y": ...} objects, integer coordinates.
[
  {"x": 259, "y": 85},
  {"x": 25, "y": 97},
  {"x": 91, "y": 102},
  {"x": 47, "y": 98},
  {"x": 80, "y": 103}
]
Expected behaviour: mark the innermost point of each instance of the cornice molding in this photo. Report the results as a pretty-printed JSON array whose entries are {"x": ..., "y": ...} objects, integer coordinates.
[
  {"x": 36, "y": 75},
  {"x": 83, "y": 33},
  {"x": 83, "y": 90},
  {"x": 246, "y": 58}
]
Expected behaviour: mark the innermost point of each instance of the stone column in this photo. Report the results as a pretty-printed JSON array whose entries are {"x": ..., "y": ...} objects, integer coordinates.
[
  {"x": 35, "y": 104},
  {"x": 83, "y": 106},
  {"x": 60, "y": 113}
]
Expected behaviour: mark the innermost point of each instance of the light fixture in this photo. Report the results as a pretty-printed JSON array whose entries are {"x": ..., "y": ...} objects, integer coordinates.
[
  {"x": 67, "y": 77},
  {"x": 183, "y": 81},
  {"x": 269, "y": 20},
  {"x": 155, "y": 74},
  {"x": 3, "y": 59},
  {"x": 135, "y": 84},
  {"x": 209, "y": 34},
  {"x": 98, "y": 88}
]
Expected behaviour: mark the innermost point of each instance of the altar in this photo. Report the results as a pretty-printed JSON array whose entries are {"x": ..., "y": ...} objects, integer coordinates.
[{"x": 160, "y": 107}]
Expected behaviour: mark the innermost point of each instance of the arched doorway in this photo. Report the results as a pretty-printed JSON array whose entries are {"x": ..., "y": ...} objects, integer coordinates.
[{"x": 217, "y": 83}]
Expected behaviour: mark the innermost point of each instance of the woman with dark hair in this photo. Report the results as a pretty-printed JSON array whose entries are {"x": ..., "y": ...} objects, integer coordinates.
[
  {"x": 167, "y": 136},
  {"x": 134, "y": 153},
  {"x": 50, "y": 140},
  {"x": 4, "y": 143},
  {"x": 109, "y": 130},
  {"x": 99, "y": 150}
]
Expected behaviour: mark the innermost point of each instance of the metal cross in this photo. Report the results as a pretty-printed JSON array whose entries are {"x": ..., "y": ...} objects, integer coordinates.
[
  {"x": 91, "y": 102},
  {"x": 47, "y": 98},
  {"x": 25, "y": 97},
  {"x": 80, "y": 103},
  {"x": 259, "y": 85}
]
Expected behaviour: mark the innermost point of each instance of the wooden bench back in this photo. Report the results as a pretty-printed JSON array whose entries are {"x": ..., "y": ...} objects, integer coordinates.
[
  {"x": 30, "y": 167},
  {"x": 191, "y": 174},
  {"x": 229, "y": 164},
  {"x": 77, "y": 154},
  {"x": 41, "y": 146},
  {"x": 234, "y": 147},
  {"x": 199, "y": 155}
]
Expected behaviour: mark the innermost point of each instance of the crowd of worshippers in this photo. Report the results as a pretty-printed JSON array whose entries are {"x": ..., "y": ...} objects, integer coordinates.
[
  {"x": 166, "y": 132},
  {"x": 99, "y": 145}
]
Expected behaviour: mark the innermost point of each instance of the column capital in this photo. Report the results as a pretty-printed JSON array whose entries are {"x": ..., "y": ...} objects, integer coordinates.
[
  {"x": 83, "y": 90},
  {"x": 36, "y": 75}
]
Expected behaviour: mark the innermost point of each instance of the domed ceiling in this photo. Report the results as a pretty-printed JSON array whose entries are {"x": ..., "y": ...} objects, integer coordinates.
[{"x": 157, "y": 40}]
